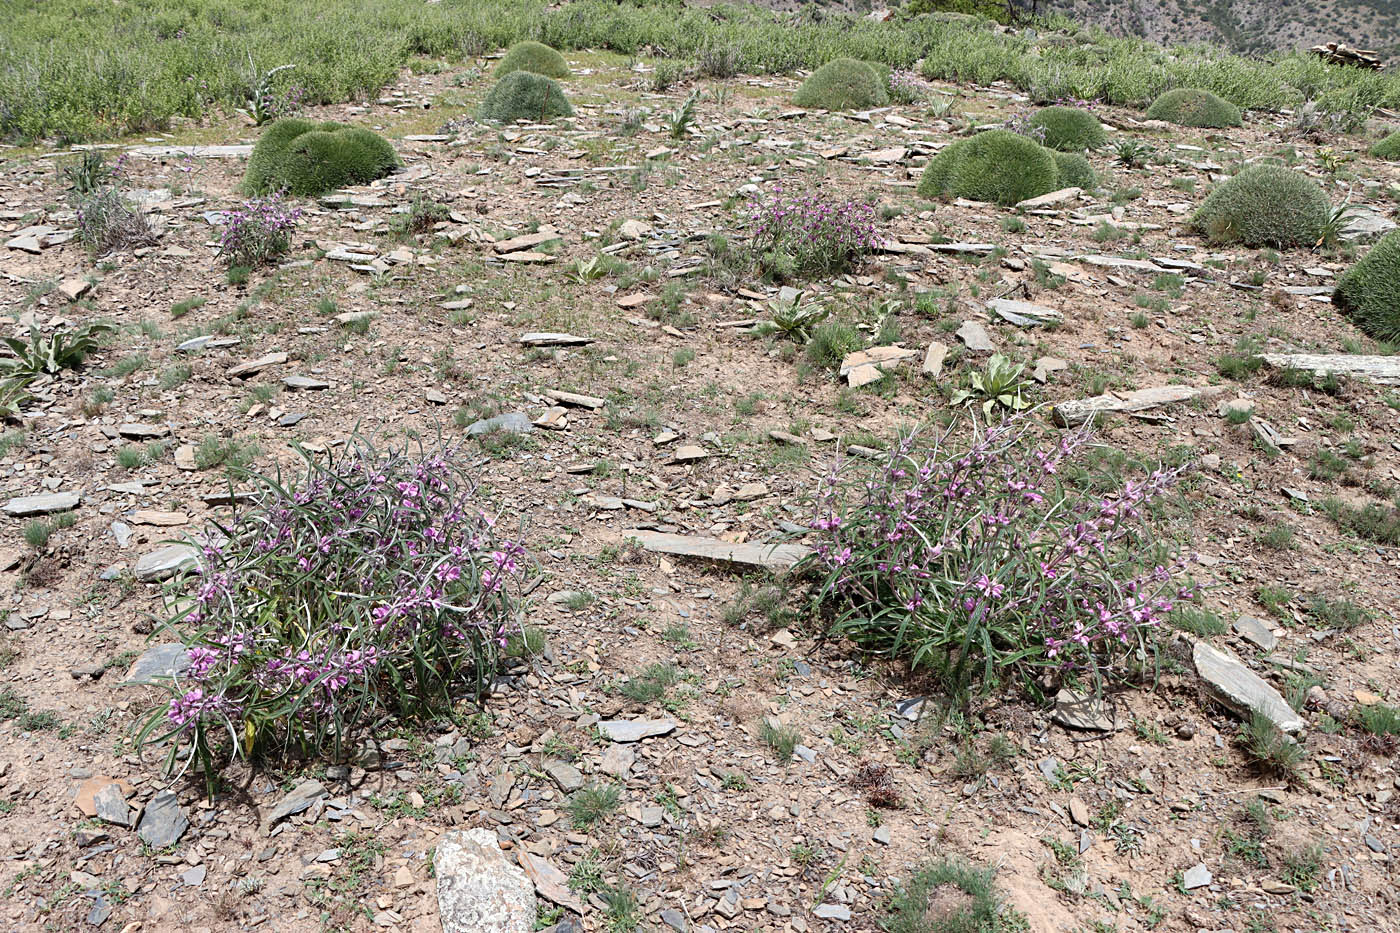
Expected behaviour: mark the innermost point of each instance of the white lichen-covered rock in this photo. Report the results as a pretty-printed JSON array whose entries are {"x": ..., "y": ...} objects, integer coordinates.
[{"x": 478, "y": 889}]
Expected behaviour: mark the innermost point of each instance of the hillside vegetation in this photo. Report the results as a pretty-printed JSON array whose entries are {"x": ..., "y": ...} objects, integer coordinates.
[{"x": 73, "y": 71}]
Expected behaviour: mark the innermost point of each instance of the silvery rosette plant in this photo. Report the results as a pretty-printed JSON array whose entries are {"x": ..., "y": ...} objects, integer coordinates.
[
  {"x": 374, "y": 587},
  {"x": 985, "y": 565}
]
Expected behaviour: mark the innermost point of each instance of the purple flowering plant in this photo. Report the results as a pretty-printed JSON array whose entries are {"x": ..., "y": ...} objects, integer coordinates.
[
  {"x": 906, "y": 87},
  {"x": 374, "y": 587},
  {"x": 258, "y": 231},
  {"x": 811, "y": 234},
  {"x": 986, "y": 563}
]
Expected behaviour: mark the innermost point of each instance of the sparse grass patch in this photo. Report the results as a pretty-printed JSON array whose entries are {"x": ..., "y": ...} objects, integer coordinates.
[
  {"x": 781, "y": 739},
  {"x": 591, "y": 804}
]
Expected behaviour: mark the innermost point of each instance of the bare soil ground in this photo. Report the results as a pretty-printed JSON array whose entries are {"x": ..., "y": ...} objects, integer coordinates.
[{"x": 712, "y": 829}]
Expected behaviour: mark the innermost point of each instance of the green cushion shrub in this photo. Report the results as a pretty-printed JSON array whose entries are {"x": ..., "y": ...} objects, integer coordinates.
[
  {"x": 842, "y": 84},
  {"x": 524, "y": 95},
  {"x": 1186, "y": 106},
  {"x": 303, "y": 158},
  {"x": 996, "y": 165},
  {"x": 1264, "y": 205},
  {"x": 535, "y": 57},
  {"x": 1074, "y": 171},
  {"x": 1369, "y": 292},
  {"x": 1069, "y": 129},
  {"x": 1388, "y": 148}
]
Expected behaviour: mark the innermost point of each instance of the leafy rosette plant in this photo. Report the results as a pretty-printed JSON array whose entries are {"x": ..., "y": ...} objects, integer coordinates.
[
  {"x": 375, "y": 587},
  {"x": 984, "y": 564}
]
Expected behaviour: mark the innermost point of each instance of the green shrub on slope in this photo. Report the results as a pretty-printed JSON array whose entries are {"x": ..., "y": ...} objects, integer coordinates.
[
  {"x": 302, "y": 158},
  {"x": 1388, "y": 148},
  {"x": 1369, "y": 292},
  {"x": 997, "y": 165},
  {"x": 535, "y": 57},
  {"x": 842, "y": 84},
  {"x": 1264, "y": 205},
  {"x": 1189, "y": 107},
  {"x": 1074, "y": 171},
  {"x": 523, "y": 95},
  {"x": 1068, "y": 129}
]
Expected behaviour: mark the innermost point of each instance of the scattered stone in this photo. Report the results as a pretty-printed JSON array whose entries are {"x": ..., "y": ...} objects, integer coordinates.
[
  {"x": 1023, "y": 314},
  {"x": 688, "y": 452},
  {"x": 1079, "y": 811},
  {"x": 1241, "y": 689},
  {"x": 933, "y": 359},
  {"x": 565, "y": 775},
  {"x": 773, "y": 556},
  {"x": 1050, "y": 200},
  {"x": 1075, "y": 413},
  {"x": 478, "y": 889},
  {"x": 157, "y": 664},
  {"x": 867, "y": 366},
  {"x": 1045, "y": 366},
  {"x": 1256, "y": 633},
  {"x": 634, "y": 730},
  {"x": 525, "y": 242},
  {"x": 974, "y": 336},
  {"x": 617, "y": 760},
  {"x": 165, "y": 562},
  {"x": 163, "y": 822},
  {"x": 111, "y": 806},
  {"x": 1197, "y": 876},
  {"x": 553, "y": 340},
  {"x": 296, "y": 800},
  {"x": 139, "y": 431},
  {"x": 44, "y": 504},
  {"x": 1381, "y": 370},
  {"x": 73, "y": 289},
  {"x": 633, "y": 229},
  {"x": 305, "y": 383},
  {"x": 253, "y": 367},
  {"x": 85, "y": 798},
  {"x": 550, "y": 883},
  {"x": 574, "y": 400},
  {"x": 1081, "y": 711},
  {"x": 832, "y": 912}
]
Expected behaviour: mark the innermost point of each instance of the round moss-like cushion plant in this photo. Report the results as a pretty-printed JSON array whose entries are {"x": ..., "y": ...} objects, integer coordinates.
[
  {"x": 997, "y": 165},
  {"x": 303, "y": 158},
  {"x": 524, "y": 95},
  {"x": 1388, "y": 148},
  {"x": 1186, "y": 106},
  {"x": 1264, "y": 205},
  {"x": 842, "y": 84},
  {"x": 1369, "y": 292},
  {"x": 535, "y": 57},
  {"x": 1074, "y": 171},
  {"x": 1069, "y": 129}
]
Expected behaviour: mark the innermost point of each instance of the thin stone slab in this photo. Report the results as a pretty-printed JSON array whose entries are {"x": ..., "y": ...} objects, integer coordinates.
[
  {"x": 1118, "y": 262},
  {"x": 163, "y": 822},
  {"x": 1050, "y": 200},
  {"x": 253, "y": 367},
  {"x": 1079, "y": 411},
  {"x": 299, "y": 798},
  {"x": 164, "y": 563},
  {"x": 1242, "y": 690},
  {"x": 158, "y": 663},
  {"x": 554, "y": 340},
  {"x": 974, "y": 337},
  {"x": 1081, "y": 711},
  {"x": 1256, "y": 633},
  {"x": 634, "y": 730},
  {"x": 197, "y": 152},
  {"x": 1023, "y": 313},
  {"x": 550, "y": 883},
  {"x": 575, "y": 400},
  {"x": 1382, "y": 370},
  {"x": 773, "y": 556},
  {"x": 45, "y": 504},
  {"x": 478, "y": 889}
]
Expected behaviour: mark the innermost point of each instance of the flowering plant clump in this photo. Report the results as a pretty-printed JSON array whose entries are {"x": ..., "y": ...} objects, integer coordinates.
[
  {"x": 1024, "y": 125},
  {"x": 375, "y": 587},
  {"x": 906, "y": 87},
  {"x": 258, "y": 231},
  {"x": 811, "y": 234},
  {"x": 986, "y": 563},
  {"x": 107, "y": 221}
]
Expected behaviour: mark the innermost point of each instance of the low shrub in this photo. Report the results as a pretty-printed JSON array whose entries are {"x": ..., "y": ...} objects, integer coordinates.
[
  {"x": 811, "y": 234},
  {"x": 522, "y": 95},
  {"x": 1388, "y": 148},
  {"x": 906, "y": 87},
  {"x": 1190, "y": 107},
  {"x": 258, "y": 231},
  {"x": 997, "y": 165},
  {"x": 1069, "y": 129},
  {"x": 1369, "y": 292},
  {"x": 842, "y": 84},
  {"x": 949, "y": 896},
  {"x": 106, "y": 222},
  {"x": 983, "y": 565},
  {"x": 534, "y": 57},
  {"x": 1074, "y": 171},
  {"x": 1264, "y": 205},
  {"x": 374, "y": 587},
  {"x": 303, "y": 159}
]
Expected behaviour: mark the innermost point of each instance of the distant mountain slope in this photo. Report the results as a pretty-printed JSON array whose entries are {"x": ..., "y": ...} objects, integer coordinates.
[{"x": 1246, "y": 25}]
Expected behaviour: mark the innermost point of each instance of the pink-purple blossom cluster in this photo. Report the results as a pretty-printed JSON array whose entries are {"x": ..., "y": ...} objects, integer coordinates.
[
  {"x": 378, "y": 585},
  {"x": 985, "y": 559},
  {"x": 813, "y": 233},
  {"x": 258, "y": 231},
  {"x": 907, "y": 87}
]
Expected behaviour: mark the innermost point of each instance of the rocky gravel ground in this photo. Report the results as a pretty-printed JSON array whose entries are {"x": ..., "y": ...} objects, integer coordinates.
[{"x": 684, "y": 735}]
